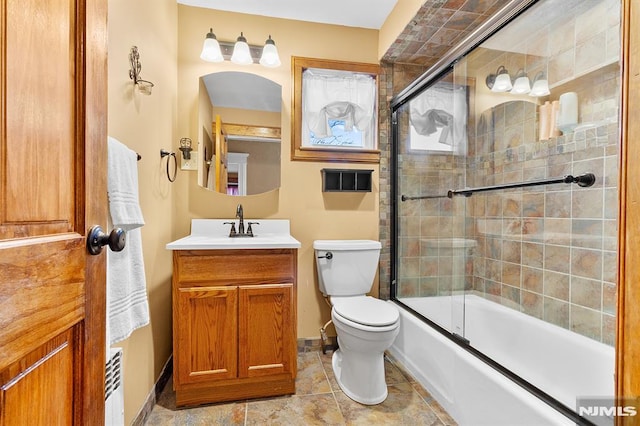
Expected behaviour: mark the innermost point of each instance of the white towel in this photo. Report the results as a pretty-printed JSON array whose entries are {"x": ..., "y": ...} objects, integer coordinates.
[{"x": 127, "y": 304}]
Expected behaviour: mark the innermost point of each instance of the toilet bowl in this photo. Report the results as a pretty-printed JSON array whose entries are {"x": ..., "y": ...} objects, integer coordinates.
[
  {"x": 358, "y": 363},
  {"x": 365, "y": 326}
]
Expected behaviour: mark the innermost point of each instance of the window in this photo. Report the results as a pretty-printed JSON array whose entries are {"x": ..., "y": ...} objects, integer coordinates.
[{"x": 334, "y": 111}]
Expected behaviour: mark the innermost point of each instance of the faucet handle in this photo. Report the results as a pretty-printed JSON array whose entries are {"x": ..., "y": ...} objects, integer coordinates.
[
  {"x": 249, "y": 230},
  {"x": 232, "y": 232}
]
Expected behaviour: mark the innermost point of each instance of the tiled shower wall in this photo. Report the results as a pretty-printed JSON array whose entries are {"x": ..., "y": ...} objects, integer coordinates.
[{"x": 548, "y": 251}]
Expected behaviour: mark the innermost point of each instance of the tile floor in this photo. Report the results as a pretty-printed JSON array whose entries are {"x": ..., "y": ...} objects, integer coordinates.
[{"x": 318, "y": 401}]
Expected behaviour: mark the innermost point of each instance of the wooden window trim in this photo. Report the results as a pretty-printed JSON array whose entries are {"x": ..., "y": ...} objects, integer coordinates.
[{"x": 298, "y": 152}]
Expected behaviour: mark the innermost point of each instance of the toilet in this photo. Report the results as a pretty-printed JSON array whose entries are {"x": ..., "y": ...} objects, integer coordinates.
[{"x": 366, "y": 326}]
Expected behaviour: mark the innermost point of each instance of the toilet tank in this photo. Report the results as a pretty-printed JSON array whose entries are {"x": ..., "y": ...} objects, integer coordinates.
[{"x": 351, "y": 269}]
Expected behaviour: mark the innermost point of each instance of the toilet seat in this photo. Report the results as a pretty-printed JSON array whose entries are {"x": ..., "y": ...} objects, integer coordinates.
[{"x": 366, "y": 310}]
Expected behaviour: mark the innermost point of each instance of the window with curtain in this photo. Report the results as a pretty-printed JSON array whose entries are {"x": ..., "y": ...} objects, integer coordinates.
[
  {"x": 338, "y": 109},
  {"x": 334, "y": 111}
]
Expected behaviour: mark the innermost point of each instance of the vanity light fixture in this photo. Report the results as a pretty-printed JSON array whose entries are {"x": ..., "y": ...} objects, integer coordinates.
[
  {"x": 134, "y": 72},
  {"x": 540, "y": 85},
  {"x": 500, "y": 81},
  {"x": 521, "y": 84},
  {"x": 240, "y": 52}
]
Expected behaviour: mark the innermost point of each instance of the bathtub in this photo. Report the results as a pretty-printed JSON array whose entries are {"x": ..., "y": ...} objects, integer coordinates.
[{"x": 562, "y": 363}]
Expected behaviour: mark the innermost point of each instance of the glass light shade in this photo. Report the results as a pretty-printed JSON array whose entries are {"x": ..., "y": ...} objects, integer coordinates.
[
  {"x": 241, "y": 53},
  {"x": 270, "y": 57},
  {"x": 540, "y": 87},
  {"x": 502, "y": 82},
  {"x": 211, "y": 49},
  {"x": 521, "y": 86}
]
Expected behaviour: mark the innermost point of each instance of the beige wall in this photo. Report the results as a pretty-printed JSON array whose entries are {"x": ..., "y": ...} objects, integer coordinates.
[
  {"x": 313, "y": 215},
  {"x": 263, "y": 163},
  {"x": 146, "y": 124},
  {"x": 169, "y": 39}
]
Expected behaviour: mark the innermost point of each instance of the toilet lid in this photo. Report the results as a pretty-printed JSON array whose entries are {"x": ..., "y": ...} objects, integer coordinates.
[{"x": 368, "y": 311}]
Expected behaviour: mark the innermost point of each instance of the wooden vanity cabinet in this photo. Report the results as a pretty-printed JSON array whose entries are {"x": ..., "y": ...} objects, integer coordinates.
[{"x": 234, "y": 324}]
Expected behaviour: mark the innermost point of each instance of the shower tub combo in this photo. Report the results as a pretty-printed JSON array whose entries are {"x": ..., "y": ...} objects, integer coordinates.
[
  {"x": 504, "y": 270},
  {"x": 566, "y": 364}
]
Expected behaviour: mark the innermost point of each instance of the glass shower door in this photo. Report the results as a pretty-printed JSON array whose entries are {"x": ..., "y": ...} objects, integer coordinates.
[
  {"x": 432, "y": 266},
  {"x": 525, "y": 275}
]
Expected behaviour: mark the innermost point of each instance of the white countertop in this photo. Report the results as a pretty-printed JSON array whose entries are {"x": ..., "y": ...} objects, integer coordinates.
[{"x": 213, "y": 234}]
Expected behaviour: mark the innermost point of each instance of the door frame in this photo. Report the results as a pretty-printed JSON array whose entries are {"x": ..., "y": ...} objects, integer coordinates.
[{"x": 94, "y": 196}]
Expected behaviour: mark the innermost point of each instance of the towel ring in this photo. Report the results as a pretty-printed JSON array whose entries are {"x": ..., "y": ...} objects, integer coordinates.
[{"x": 164, "y": 153}]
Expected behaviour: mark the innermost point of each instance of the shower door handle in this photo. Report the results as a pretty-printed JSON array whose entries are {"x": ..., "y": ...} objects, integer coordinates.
[{"x": 328, "y": 255}]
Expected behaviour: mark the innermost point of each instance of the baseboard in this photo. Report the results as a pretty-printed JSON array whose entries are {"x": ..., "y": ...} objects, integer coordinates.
[
  {"x": 315, "y": 344},
  {"x": 152, "y": 398}
]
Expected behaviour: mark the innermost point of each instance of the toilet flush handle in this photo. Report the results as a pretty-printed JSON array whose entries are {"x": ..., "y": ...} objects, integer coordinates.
[{"x": 328, "y": 255}]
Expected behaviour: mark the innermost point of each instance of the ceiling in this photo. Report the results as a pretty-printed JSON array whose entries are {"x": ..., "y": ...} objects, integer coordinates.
[
  {"x": 350, "y": 13},
  {"x": 243, "y": 90}
]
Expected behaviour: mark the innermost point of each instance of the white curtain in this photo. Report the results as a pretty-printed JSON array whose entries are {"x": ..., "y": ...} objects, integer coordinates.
[
  {"x": 339, "y": 95},
  {"x": 444, "y": 110}
]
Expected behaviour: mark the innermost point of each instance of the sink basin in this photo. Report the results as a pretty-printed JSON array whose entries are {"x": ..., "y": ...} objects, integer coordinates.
[{"x": 213, "y": 234}]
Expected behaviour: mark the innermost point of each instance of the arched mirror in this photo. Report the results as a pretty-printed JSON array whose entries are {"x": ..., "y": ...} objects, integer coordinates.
[{"x": 239, "y": 142}]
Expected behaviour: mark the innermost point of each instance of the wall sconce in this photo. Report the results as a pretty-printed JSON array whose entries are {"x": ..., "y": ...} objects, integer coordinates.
[
  {"x": 185, "y": 147},
  {"x": 540, "y": 85},
  {"x": 240, "y": 52},
  {"x": 521, "y": 85},
  {"x": 134, "y": 72},
  {"x": 500, "y": 81}
]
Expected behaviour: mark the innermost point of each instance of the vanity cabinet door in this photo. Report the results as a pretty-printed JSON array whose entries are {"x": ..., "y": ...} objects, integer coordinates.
[
  {"x": 266, "y": 331},
  {"x": 206, "y": 334}
]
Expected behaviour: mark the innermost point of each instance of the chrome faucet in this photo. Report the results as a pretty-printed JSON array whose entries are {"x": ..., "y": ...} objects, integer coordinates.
[{"x": 240, "y": 215}]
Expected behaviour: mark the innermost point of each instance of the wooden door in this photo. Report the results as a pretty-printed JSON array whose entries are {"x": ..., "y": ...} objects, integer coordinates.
[
  {"x": 52, "y": 189},
  {"x": 220, "y": 156},
  {"x": 206, "y": 330},
  {"x": 266, "y": 331}
]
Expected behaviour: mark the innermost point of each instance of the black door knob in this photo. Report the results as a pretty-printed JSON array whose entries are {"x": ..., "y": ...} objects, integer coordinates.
[{"x": 98, "y": 239}]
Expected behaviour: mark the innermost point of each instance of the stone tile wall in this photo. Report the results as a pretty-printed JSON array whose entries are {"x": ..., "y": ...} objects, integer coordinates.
[{"x": 547, "y": 251}]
